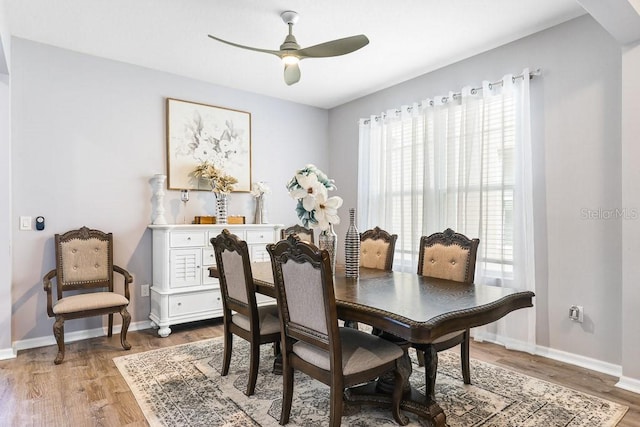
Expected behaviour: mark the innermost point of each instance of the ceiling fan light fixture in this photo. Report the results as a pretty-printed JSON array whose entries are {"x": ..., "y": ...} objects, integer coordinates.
[
  {"x": 291, "y": 54},
  {"x": 290, "y": 59}
]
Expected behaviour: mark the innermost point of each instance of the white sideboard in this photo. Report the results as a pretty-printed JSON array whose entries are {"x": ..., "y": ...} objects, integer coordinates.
[{"x": 182, "y": 290}]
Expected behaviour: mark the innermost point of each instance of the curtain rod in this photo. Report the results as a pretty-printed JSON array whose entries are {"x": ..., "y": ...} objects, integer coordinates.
[{"x": 474, "y": 90}]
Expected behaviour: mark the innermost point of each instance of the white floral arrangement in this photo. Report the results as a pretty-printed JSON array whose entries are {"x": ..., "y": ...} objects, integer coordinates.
[
  {"x": 219, "y": 181},
  {"x": 259, "y": 189},
  {"x": 310, "y": 186}
]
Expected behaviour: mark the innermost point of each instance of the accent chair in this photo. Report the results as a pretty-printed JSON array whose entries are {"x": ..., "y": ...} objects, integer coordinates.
[{"x": 84, "y": 262}]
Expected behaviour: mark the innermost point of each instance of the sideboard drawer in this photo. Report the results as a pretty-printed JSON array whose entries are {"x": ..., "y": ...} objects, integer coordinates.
[
  {"x": 187, "y": 239},
  {"x": 258, "y": 236},
  {"x": 208, "y": 257},
  {"x": 195, "y": 302}
]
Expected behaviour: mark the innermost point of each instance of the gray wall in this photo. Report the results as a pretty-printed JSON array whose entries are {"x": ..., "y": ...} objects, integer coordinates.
[
  {"x": 576, "y": 138},
  {"x": 89, "y": 133}
]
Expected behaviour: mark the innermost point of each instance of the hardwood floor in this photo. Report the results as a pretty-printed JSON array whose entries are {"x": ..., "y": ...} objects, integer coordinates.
[{"x": 87, "y": 389}]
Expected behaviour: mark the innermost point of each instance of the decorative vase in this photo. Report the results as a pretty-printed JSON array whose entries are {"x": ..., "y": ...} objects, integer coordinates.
[
  {"x": 328, "y": 240},
  {"x": 222, "y": 204},
  {"x": 259, "y": 217},
  {"x": 352, "y": 247},
  {"x": 158, "y": 198}
]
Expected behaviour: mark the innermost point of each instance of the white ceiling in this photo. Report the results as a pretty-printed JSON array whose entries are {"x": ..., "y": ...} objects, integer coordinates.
[{"x": 407, "y": 38}]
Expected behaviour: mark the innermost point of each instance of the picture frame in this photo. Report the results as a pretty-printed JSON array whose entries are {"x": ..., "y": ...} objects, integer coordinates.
[{"x": 199, "y": 132}]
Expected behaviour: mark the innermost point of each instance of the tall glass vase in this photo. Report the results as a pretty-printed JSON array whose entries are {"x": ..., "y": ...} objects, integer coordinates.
[
  {"x": 222, "y": 204},
  {"x": 328, "y": 240},
  {"x": 352, "y": 247}
]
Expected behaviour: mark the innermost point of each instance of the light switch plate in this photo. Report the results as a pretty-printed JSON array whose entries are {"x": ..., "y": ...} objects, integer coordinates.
[{"x": 25, "y": 223}]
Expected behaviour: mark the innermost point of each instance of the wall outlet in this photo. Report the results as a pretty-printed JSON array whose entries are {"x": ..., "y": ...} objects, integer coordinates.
[
  {"x": 144, "y": 290},
  {"x": 576, "y": 313}
]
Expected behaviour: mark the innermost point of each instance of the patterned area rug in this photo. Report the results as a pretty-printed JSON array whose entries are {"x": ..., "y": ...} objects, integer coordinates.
[{"x": 182, "y": 386}]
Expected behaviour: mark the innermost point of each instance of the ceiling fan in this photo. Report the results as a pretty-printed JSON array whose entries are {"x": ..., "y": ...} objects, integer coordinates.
[{"x": 291, "y": 53}]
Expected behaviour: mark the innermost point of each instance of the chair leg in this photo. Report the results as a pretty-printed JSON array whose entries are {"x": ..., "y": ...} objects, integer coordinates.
[
  {"x": 335, "y": 404},
  {"x": 228, "y": 345},
  {"x": 58, "y": 333},
  {"x": 464, "y": 357},
  {"x": 287, "y": 393},
  {"x": 253, "y": 368},
  {"x": 110, "y": 330},
  {"x": 126, "y": 321}
]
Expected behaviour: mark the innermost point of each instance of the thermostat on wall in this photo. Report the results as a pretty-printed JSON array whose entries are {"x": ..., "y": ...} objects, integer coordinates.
[{"x": 39, "y": 223}]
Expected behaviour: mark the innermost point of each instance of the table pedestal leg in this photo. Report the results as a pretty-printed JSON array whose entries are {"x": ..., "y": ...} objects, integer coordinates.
[{"x": 379, "y": 392}]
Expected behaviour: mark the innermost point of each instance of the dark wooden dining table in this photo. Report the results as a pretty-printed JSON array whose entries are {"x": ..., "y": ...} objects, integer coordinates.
[{"x": 411, "y": 309}]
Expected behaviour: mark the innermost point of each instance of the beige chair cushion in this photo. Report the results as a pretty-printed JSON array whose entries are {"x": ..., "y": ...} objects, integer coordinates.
[
  {"x": 92, "y": 301},
  {"x": 85, "y": 260},
  {"x": 445, "y": 262},
  {"x": 360, "y": 351},
  {"x": 373, "y": 253},
  {"x": 234, "y": 275},
  {"x": 267, "y": 316},
  {"x": 305, "y": 296}
]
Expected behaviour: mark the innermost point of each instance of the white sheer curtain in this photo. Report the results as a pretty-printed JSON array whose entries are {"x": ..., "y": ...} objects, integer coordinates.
[{"x": 461, "y": 161}]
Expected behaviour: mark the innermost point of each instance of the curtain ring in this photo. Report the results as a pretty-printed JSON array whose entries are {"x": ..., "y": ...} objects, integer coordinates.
[{"x": 474, "y": 91}]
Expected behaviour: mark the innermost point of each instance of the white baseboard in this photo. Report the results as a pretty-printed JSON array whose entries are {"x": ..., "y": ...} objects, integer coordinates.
[
  {"x": 7, "y": 353},
  {"x": 582, "y": 361},
  {"x": 629, "y": 384},
  {"x": 72, "y": 336}
]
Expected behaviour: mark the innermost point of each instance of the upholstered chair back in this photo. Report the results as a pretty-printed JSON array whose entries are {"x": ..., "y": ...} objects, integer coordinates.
[
  {"x": 234, "y": 275},
  {"x": 234, "y": 269},
  {"x": 84, "y": 260},
  {"x": 305, "y": 234},
  {"x": 448, "y": 255},
  {"x": 304, "y": 289},
  {"x": 377, "y": 248}
]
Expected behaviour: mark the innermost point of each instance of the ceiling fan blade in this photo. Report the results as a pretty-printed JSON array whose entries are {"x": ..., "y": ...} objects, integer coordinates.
[
  {"x": 334, "y": 47},
  {"x": 291, "y": 74},
  {"x": 272, "y": 52}
]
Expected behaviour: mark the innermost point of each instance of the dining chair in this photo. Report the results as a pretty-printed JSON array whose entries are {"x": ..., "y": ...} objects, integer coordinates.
[
  {"x": 377, "y": 248},
  {"x": 313, "y": 343},
  {"x": 451, "y": 256},
  {"x": 304, "y": 233},
  {"x": 258, "y": 325},
  {"x": 84, "y": 262}
]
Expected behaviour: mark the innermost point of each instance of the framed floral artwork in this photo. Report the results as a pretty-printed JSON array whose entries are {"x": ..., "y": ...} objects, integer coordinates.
[{"x": 197, "y": 133}]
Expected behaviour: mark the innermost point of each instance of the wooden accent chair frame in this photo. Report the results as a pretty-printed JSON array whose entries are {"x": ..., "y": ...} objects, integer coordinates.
[
  {"x": 258, "y": 325},
  {"x": 451, "y": 256},
  {"x": 84, "y": 261},
  {"x": 377, "y": 248},
  {"x": 305, "y": 234},
  {"x": 312, "y": 341}
]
